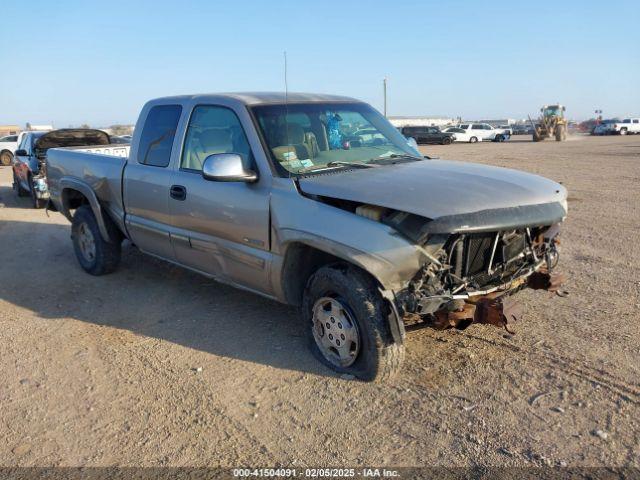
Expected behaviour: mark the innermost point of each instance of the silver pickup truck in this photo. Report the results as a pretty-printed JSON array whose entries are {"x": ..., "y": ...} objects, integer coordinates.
[{"x": 319, "y": 202}]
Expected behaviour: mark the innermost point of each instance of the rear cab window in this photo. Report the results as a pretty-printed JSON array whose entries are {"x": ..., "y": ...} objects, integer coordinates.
[{"x": 158, "y": 133}]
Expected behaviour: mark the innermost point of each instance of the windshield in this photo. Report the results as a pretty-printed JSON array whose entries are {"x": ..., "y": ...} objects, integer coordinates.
[
  {"x": 314, "y": 136},
  {"x": 552, "y": 111}
]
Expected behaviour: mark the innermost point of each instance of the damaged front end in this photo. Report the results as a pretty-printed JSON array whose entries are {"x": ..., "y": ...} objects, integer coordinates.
[{"x": 472, "y": 276}]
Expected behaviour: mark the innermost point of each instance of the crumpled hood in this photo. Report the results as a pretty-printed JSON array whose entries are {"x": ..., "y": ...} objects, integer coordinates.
[{"x": 436, "y": 188}]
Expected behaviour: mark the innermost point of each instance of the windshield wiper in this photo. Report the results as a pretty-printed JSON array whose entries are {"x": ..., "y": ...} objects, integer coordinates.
[
  {"x": 335, "y": 164},
  {"x": 395, "y": 156}
]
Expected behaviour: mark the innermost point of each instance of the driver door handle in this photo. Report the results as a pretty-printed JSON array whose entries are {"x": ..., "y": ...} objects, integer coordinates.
[{"x": 178, "y": 192}]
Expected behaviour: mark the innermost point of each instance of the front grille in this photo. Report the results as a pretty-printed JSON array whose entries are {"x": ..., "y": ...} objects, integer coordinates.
[
  {"x": 471, "y": 255},
  {"x": 477, "y": 253}
]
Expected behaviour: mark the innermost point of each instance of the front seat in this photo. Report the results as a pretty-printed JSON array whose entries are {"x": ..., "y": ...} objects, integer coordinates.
[{"x": 210, "y": 141}]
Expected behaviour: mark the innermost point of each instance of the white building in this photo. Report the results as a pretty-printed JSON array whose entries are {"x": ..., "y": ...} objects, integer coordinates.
[{"x": 426, "y": 121}]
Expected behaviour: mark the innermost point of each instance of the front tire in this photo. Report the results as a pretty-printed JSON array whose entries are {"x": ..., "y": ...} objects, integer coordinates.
[
  {"x": 6, "y": 158},
  {"x": 347, "y": 323},
  {"x": 473, "y": 139},
  {"x": 95, "y": 255},
  {"x": 446, "y": 141},
  {"x": 20, "y": 192},
  {"x": 623, "y": 131}
]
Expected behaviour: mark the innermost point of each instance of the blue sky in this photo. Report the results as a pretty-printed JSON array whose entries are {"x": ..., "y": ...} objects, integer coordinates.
[{"x": 98, "y": 62}]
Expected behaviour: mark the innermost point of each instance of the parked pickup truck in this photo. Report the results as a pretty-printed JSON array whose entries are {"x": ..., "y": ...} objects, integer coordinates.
[
  {"x": 626, "y": 126},
  {"x": 281, "y": 196},
  {"x": 29, "y": 162}
]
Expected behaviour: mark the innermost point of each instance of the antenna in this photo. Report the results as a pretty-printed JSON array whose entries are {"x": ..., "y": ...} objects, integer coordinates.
[
  {"x": 286, "y": 85},
  {"x": 286, "y": 109}
]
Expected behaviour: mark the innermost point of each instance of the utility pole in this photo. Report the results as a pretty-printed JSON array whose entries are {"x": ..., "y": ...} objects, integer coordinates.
[{"x": 384, "y": 91}]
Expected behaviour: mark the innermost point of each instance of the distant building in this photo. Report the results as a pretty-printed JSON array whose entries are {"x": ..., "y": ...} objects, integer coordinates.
[
  {"x": 495, "y": 122},
  {"x": 9, "y": 130},
  {"x": 39, "y": 128},
  {"x": 426, "y": 121}
]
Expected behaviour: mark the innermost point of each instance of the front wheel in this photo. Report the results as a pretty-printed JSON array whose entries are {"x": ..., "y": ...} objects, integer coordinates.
[
  {"x": 499, "y": 138},
  {"x": 623, "y": 131},
  {"x": 95, "y": 255},
  {"x": 473, "y": 139},
  {"x": 347, "y": 323},
  {"x": 446, "y": 141},
  {"x": 6, "y": 158},
  {"x": 21, "y": 192}
]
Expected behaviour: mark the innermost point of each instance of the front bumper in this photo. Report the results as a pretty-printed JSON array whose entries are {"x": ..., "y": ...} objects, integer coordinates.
[
  {"x": 496, "y": 306},
  {"x": 41, "y": 188}
]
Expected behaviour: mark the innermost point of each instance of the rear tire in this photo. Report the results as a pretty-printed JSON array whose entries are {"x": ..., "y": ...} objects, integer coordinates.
[
  {"x": 6, "y": 158},
  {"x": 356, "y": 313},
  {"x": 473, "y": 139},
  {"x": 623, "y": 131},
  {"x": 95, "y": 255}
]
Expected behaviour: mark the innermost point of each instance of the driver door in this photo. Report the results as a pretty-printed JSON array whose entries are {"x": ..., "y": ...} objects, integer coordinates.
[{"x": 219, "y": 228}]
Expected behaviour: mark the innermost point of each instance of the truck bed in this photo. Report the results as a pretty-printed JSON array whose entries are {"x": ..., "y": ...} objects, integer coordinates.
[{"x": 99, "y": 168}]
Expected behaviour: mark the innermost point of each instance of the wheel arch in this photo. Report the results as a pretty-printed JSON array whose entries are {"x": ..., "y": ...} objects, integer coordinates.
[
  {"x": 74, "y": 193},
  {"x": 302, "y": 259}
]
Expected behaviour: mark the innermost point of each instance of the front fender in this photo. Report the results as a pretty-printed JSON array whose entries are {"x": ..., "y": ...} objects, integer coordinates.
[{"x": 377, "y": 248}]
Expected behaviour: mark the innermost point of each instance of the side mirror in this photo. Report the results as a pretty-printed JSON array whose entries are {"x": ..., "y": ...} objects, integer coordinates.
[
  {"x": 227, "y": 167},
  {"x": 21, "y": 153}
]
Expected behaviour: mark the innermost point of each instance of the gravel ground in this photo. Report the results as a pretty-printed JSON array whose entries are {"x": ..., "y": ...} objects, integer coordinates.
[{"x": 156, "y": 366}]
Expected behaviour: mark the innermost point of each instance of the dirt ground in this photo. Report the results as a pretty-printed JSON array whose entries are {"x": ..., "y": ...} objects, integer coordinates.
[{"x": 156, "y": 366}]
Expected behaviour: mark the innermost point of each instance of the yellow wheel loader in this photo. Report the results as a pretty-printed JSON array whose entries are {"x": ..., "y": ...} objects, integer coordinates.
[{"x": 550, "y": 124}]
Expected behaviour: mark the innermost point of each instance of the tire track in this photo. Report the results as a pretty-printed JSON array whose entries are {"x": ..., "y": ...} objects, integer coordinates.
[{"x": 628, "y": 391}]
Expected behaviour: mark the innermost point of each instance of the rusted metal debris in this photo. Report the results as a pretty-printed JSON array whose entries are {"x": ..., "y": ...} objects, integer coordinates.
[
  {"x": 500, "y": 311},
  {"x": 460, "y": 318},
  {"x": 496, "y": 308},
  {"x": 543, "y": 280}
]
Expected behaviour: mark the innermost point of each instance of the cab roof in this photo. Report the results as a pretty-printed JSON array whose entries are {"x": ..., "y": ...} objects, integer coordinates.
[{"x": 262, "y": 98}]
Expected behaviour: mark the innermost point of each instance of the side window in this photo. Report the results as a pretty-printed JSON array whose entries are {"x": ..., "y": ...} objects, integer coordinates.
[
  {"x": 488, "y": 127},
  {"x": 476, "y": 126},
  {"x": 157, "y": 135},
  {"x": 213, "y": 130},
  {"x": 636, "y": 121}
]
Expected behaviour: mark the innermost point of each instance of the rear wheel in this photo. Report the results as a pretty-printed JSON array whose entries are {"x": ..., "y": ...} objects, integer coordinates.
[
  {"x": 347, "y": 323},
  {"x": 623, "y": 131},
  {"x": 6, "y": 158},
  {"x": 95, "y": 255},
  {"x": 473, "y": 139}
]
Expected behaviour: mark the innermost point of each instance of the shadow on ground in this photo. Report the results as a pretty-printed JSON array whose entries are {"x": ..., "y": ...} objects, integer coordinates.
[{"x": 145, "y": 296}]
